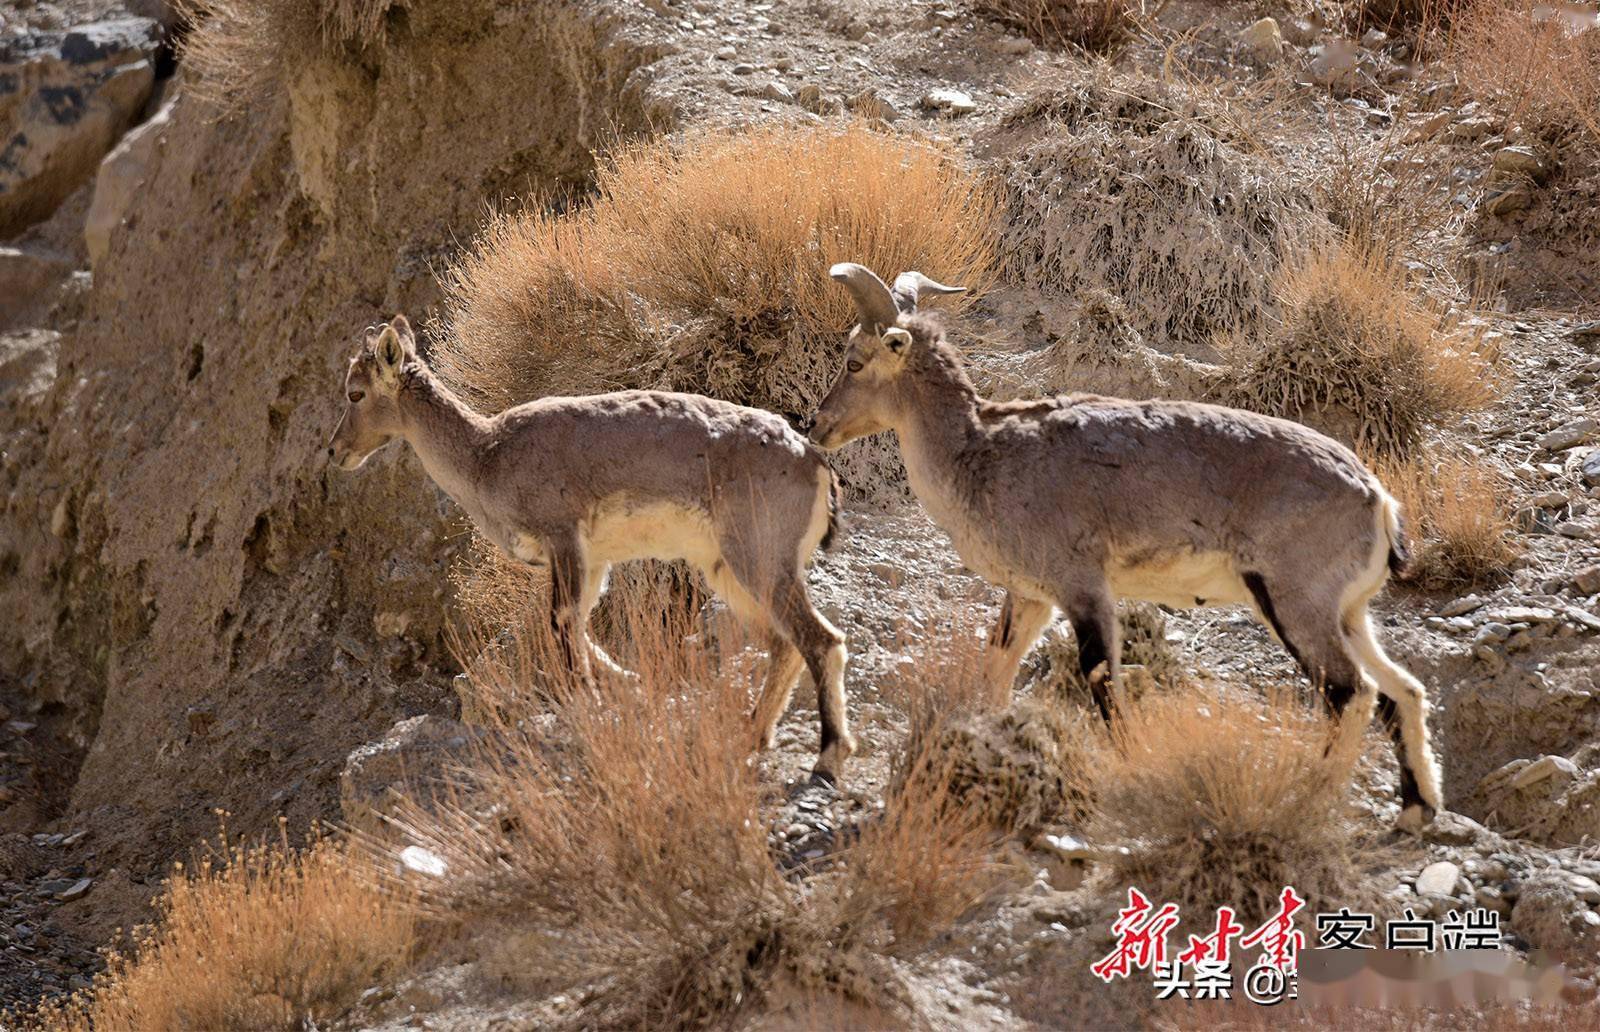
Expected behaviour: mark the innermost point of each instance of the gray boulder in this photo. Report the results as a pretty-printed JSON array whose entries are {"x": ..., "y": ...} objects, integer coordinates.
[{"x": 65, "y": 97}]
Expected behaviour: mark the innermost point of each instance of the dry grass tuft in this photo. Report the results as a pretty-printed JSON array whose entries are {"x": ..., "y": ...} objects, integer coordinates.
[
  {"x": 1536, "y": 64},
  {"x": 1222, "y": 799},
  {"x": 1147, "y": 659},
  {"x": 702, "y": 265},
  {"x": 617, "y": 833},
  {"x": 1458, "y": 515},
  {"x": 243, "y": 49},
  {"x": 1096, "y": 26},
  {"x": 1010, "y": 768},
  {"x": 1360, "y": 355},
  {"x": 259, "y": 937}
]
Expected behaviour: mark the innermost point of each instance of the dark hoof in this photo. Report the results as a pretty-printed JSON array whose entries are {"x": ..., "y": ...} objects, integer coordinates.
[{"x": 824, "y": 779}]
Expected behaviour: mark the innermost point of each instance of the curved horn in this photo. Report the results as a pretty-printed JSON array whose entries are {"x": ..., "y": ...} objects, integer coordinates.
[
  {"x": 908, "y": 286},
  {"x": 874, "y": 302}
]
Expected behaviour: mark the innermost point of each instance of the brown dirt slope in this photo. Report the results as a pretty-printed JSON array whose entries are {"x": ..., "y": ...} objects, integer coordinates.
[{"x": 173, "y": 478}]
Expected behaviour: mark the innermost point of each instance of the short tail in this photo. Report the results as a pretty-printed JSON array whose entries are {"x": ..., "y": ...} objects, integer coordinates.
[
  {"x": 1399, "y": 549},
  {"x": 835, "y": 507}
]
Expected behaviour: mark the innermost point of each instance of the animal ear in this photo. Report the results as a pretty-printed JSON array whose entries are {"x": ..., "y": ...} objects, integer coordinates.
[
  {"x": 390, "y": 352},
  {"x": 897, "y": 339},
  {"x": 402, "y": 328}
]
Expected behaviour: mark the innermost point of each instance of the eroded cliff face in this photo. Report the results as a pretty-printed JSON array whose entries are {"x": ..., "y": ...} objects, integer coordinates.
[{"x": 194, "y": 599}]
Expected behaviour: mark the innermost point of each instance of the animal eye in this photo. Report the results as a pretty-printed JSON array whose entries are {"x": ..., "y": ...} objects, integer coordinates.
[
  {"x": 356, "y": 396},
  {"x": 853, "y": 366}
]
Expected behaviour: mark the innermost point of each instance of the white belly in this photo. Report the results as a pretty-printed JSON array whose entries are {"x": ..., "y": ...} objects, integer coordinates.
[
  {"x": 623, "y": 529},
  {"x": 1178, "y": 579}
]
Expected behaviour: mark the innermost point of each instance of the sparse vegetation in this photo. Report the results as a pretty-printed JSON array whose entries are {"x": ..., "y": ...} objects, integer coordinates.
[
  {"x": 702, "y": 265},
  {"x": 1533, "y": 64},
  {"x": 1457, "y": 509},
  {"x": 259, "y": 937},
  {"x": 1223, "y": 798},
  {"x": 1360, "y": 355},
  {"x": 1011, "y": 768},
  {"x": 621, "y": 839},
  {"x": 241, "y": 49},
  {"x": 1096, "y": 26}
]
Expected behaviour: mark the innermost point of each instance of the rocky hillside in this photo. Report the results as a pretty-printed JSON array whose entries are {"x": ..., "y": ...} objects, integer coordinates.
[{"x": 200, "y": 211}]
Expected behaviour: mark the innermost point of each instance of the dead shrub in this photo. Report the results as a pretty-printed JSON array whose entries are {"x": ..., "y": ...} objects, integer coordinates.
[
  {"x": 1010, "y": 768},
  {"x": 1458, "y": 515},
  {"x": 255, "y": 937},
  {"x": 701, "y": 265},
  {"x": 243, "y": 49},
  {"x": 1222, "y": 798},
  {"x": 1536, "y": 64},
  {"x": 1096, "y": 26},
  {"x": 1146, "y": 192},
  {"x": 1361, "y": 356},
  {"x": 616, "y": 832}
]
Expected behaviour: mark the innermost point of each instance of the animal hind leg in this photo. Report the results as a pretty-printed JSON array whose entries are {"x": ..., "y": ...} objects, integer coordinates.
[
  {"x": 1313, "y": 636},
  {"x": 594, "y": 585},
  {"x": 1405, "y": 712}
]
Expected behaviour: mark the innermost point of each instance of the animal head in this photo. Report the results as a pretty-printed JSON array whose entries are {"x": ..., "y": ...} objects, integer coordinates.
[
  {"x": 863, "y": 397},
  {"x": 371, "y": 388}
]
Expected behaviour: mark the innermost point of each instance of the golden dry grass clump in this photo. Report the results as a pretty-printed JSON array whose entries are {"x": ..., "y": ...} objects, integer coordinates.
[
  {"x": 1458, "y": 514},
  {"x": 702, "y": 264},
  {"x": 1093, "y": 25},
  {"x": 615, "y": 837},
  {"x": 1361, "y": 356},
  {"x": 1536, "y": 64},
  {"x": 242, "y": 49},
  {"x": 261, "y": 937},
  {"x": 1222, "y": 799}
]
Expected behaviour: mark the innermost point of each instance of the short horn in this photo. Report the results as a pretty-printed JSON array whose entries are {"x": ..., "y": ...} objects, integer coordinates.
[
  {"x": 910, "y": 286},
  {"x": 874, "y": 302}
]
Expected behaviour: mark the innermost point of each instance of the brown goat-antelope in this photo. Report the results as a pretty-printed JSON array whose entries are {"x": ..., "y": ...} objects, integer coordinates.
[
  {"x": 1076, "y": 501},
  {"x": 581, "y": 483}
]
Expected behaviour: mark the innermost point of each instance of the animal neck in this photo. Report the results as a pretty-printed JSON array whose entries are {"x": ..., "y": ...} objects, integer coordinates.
[
  {"x": 444, "y": 432},
  {"x": 939, "y": 424}
]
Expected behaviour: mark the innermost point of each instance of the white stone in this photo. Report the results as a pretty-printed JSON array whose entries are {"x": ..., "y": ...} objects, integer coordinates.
[{"x": 1438, "y": 879}]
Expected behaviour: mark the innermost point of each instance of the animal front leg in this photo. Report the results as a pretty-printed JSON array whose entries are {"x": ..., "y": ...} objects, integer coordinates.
[
  {"x": 1021, "y": 622},
  {"x": 567, "y": 577}
]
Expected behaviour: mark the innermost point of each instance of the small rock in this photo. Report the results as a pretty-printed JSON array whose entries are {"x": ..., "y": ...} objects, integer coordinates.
[
  {"x": 1542, "y": 768},
  {"x": 1591, "y": 469},
  {"x": 1570, "y": 435},
  {"x": 1438, "y": 879},
  {"x": 870, "y": 104},
  {"x": 1449, "y": 828},
  {"x": 1521, "y": 614},
  {"x": 777, "y": 91},
  {"x": 1462, "y": 606},
  {"x": 1264, "y": 38},
  {"x": 951, "y": 102},
  {"x": 1520, "y": 161},
  {"x": 744, "y": 69},
  {"x": 1507, "y": 197},
  {"x": 1426, "y": 127},
  {"x": 1551, "y": 500},
  {"x": 1587, "y": 580},
  {"x": 77, "y": 890},
  {"x": 1575, "y": 530},
  {"x": 727, "y": 54}
]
